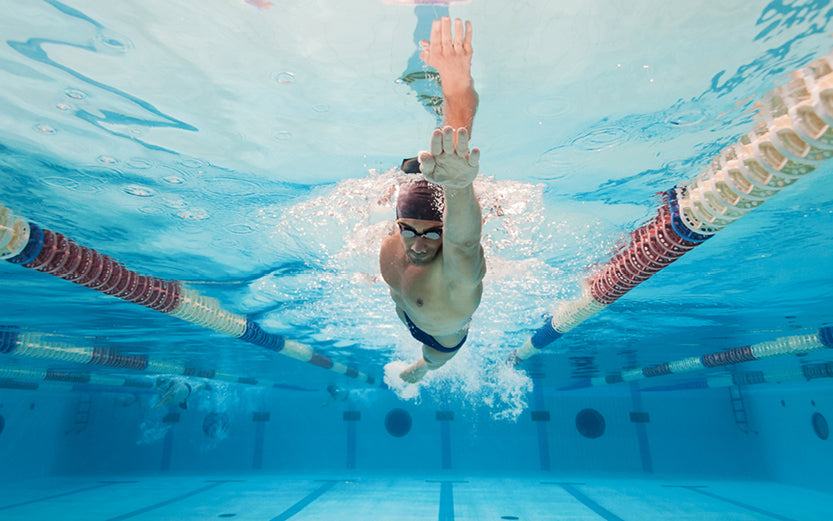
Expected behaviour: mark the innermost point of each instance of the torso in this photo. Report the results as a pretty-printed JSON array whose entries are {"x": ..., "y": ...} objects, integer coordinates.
[{"x": 439, "y": 307}]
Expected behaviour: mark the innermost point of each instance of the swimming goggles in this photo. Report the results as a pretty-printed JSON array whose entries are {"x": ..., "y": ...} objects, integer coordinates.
[{"x": 409, "y": 233}]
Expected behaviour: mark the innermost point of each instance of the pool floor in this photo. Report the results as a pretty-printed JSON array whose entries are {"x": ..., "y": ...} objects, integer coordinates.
[{"x": 394, "y": 498}]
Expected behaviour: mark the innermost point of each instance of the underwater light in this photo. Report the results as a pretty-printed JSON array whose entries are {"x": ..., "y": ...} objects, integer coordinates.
[{"x": 398, "y": 422}]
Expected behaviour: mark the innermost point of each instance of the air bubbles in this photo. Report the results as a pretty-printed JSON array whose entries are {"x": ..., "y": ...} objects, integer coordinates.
[
  {"x": 64, "y": 107},
  {"x": 194, "y": 214},
  {"x": 138, "y": 191},
  {"x": 61, "y": 182},
  {"x": 240, "y": 229},
  {"x": 103, "y": 174},
  {"x": 173, "y": 175},
  {"x": 283, "y": 135},
  {"x": 44, "y": 128},
  {"x": 151, "y": 210},
  {"x": 73, "y": 185},
  {"x": 75, "y": 94},
  {"x": 139, "y": 163},
  {"x": 601, "y": 139},
  {"x": 686, "y": 119},
  {"x": 285, "y": 77},
  {"x": 108, "y": 42},
  {"x": 216, "y": 425},
  {"x": 175, "y": 202},
  {"x": 193, "y": 163},
  {"x": 556, "y": 162},
  {"x": 549, "y": 108},
  {"x": 173, "y": 180},
  {"x": 321, "y": 108},
  {"x": 107, "y": 160}
]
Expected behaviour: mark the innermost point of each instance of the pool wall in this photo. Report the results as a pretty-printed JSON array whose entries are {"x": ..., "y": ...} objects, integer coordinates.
[
  {"x": 686, "y": 433},
  {"x": 782, "y": 416}
]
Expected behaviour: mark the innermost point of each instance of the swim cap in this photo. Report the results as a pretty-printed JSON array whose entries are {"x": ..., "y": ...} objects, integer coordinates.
[{"x": 419, "y": 199}]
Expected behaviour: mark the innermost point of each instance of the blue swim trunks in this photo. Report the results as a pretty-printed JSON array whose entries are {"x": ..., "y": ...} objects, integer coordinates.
[{"x": 427, "y": 339}]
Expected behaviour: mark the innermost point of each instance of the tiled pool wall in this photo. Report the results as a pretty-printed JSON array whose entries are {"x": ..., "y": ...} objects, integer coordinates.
[{"x": 691, "y": 433}]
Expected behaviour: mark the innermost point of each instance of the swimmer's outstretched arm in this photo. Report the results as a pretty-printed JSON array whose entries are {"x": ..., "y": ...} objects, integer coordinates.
[
  {"x": 450, "y": 53},
  {"x": 455, "y": 167}
]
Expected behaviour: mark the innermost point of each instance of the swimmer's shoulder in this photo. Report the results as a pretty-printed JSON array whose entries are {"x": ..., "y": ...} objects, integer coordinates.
[{"x": 391, "y": 256}]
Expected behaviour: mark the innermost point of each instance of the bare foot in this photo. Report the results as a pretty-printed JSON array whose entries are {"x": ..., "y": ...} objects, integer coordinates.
[{"x": 414, "y": 372}]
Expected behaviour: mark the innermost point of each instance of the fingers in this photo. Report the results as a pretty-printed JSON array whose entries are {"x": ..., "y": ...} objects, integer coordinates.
[
  {"x": 462, "y": 142},
  {"x": 474, "y": 157},
  {"x": 458, "y": 35},
  {"x": 436, "y": 37},
  {"x": 467, "y": 43},
  {"x": 448, "y": 140},
  {"x": 442, "y": 142},
  {"x": 446, "y": 41},
  {"x": 446, "y": 32},
  {"x": 436, "y": 146},
  {"x": 426, "y": 163}
]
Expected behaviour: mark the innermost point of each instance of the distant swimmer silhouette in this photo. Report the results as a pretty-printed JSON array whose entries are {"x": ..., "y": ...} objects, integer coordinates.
[
  {"x": 434, "y": 265},
  {"x": 173, "y": 390},
  {"x": 336, "y": 394}
]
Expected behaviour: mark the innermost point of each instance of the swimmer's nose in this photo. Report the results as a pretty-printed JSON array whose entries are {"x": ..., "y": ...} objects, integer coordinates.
[{"x": 421, "y": 243}]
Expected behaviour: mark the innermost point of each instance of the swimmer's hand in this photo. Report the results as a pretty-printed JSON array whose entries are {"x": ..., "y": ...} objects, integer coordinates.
[
  {"x": 450, "y": 52},
  {"x": 447, "y": 165}
]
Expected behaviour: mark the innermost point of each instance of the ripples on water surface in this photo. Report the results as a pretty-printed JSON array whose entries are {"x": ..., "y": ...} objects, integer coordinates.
[{"x": 247, "y": 150}]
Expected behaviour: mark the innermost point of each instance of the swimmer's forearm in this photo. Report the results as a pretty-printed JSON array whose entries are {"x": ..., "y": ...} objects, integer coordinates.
[
  {"x": 460, "y": 106},
  {"x": 463, "y": 222}
]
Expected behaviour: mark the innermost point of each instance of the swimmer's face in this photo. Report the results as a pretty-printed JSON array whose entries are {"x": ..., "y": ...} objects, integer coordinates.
[{"x": 417, "y": 238}]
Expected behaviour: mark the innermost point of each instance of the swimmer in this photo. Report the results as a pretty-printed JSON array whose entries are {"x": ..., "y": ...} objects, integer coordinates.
[
  {"x": 175, "y": 391},
  {"x": 336, "y": 394},
  {"x": 434, "y": 265}
]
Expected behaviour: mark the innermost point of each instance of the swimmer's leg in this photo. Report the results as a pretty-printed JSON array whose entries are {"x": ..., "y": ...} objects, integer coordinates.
[{"x": 431, "y": 360}]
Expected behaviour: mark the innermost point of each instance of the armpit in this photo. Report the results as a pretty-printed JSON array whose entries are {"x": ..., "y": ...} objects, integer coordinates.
[{"x": 464, "y": 265}]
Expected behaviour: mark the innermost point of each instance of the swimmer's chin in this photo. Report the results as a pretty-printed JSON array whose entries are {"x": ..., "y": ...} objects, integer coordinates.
[{"x": 422, "y": 260}]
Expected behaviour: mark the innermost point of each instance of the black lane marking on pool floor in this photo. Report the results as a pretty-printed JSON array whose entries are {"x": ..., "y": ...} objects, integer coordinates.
[
  {"x": 304, "y": 503},
  {"x": 100, "y": 484},
  {"x": 740, "y": 504},
  {"x": 446, "y": 501},
  {"x": 161, "y": 504},
  {"x": 584, "y": 500},
  {"x": 446, "y": 498}
]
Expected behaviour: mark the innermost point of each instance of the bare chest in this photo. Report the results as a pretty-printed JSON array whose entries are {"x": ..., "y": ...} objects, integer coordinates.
[{"x": 423, "y": 288}]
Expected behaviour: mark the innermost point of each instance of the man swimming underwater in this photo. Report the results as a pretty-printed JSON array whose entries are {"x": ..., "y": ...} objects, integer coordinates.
[{"x": 435, "y": 265}]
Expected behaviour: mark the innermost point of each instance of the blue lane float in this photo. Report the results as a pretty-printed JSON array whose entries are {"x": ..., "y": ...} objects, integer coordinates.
[
  {"x": 788, "y": 345},
  {"x": 792, "y": 137},
  {"x": 26, "y": 244},
  {"x": 803, "y": 373},
  {"x": 28, "y": 344},
  {"x": 14, "y": 377}
]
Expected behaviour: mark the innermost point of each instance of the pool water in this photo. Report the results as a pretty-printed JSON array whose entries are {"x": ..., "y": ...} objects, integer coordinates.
[{"x": 194, "y": 326}]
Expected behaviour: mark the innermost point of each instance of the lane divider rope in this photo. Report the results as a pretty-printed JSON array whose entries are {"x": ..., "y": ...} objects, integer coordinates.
[
  {"x": 26, "y": 244},
  {"x": 793, "y": 136}
]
